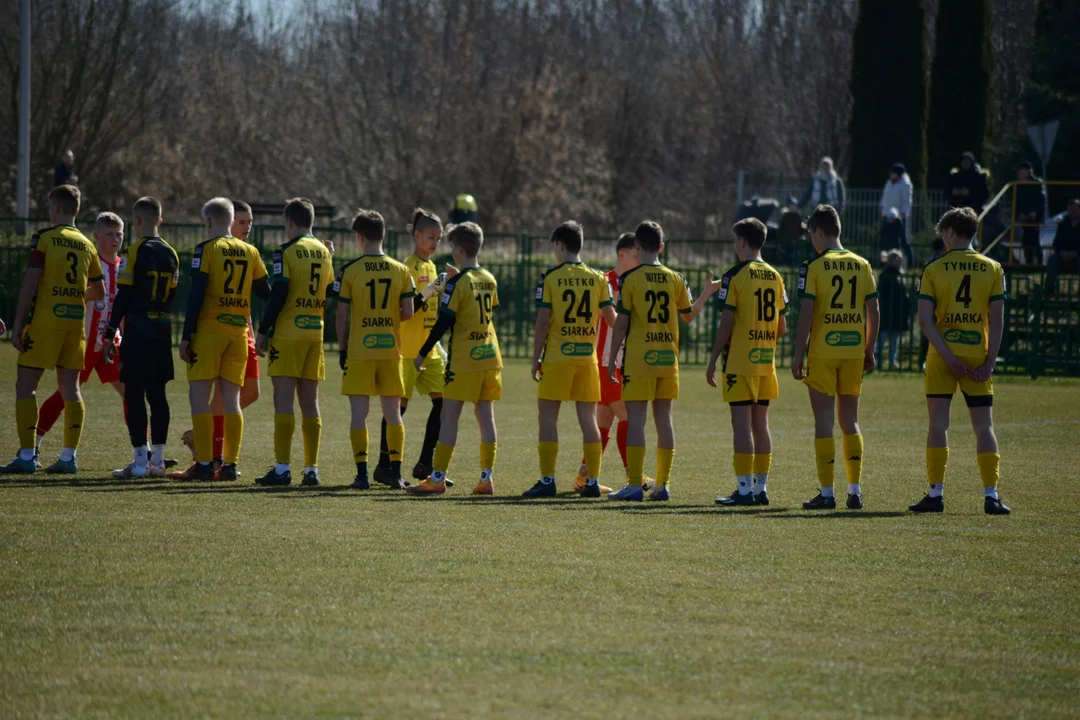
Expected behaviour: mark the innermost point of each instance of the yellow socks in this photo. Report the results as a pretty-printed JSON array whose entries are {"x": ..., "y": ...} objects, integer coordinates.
[
  {"x": 989, "y": 468},
  {"x": 26, "y": 417},
  {"x": 825, "y": 458},
  {"x": 762, "y": 465},
  {"x": 74, "y": 417},
  {"x": 487, "y": 456},
  {"x": 664, "y": 458},
  {"x": 395, "y": 442},
  {"x": 593, "y": 452},
  {"x": 311, "y": 428},
  {"x": 744, "y": 469},
  {"x": 853, "y": 453},
  {"x": 202, "y": 428},
  {"x": 284, "y": 426},
  {"x": 359, "y": 440},
  {"x": 234, "y": 435},
  {"x": 635, "y": 464},
  {"x": 440, "y": 461},
  {"x": 937, "y": 459},
  {"x": 549, "y": 456}
]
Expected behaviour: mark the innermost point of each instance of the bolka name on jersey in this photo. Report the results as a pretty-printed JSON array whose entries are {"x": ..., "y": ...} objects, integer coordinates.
[
  {"x": 376, "y": 265},
  {"x": 377, "y": 322}
]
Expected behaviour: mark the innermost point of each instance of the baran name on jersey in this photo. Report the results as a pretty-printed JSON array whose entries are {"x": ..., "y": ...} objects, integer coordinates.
[{"x": 841, "y": 265}]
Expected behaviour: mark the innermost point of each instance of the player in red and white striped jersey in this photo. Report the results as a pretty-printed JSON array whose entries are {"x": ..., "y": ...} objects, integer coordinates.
[
  {"x": 611, "y": 405},
  {"x": 109, "y": 236}
]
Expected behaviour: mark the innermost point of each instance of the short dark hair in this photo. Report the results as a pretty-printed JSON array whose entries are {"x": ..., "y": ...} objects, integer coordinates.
[
  {"x": 422, "y": 219},
  {"x": 649, "y": 236},
  {"x": 752, "y": 230},
  {"x": 826, "y": 219},
  {"x": 67, "y": 199},
  {"x": 148, "y": 208},
  {"x": 241, "y": 206},
  {"x": 938, "y": 245},
  {"x": 570, "y": 235},
  {"x": 469, "y": 237},
  {"x": 962, "y": 220},
  {"x": 626, "y": 241},
  {"x": 300, "y": 211},
  {"x": 370, "y": 224}
]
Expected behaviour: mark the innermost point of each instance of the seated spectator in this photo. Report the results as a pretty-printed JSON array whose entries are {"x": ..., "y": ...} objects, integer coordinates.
[
  {"x": 1066, "y": 246},
  {"x": 895, "y": 307},
  {"x": 791, "y": 233},
  {"x": 1030, "y": 210}
]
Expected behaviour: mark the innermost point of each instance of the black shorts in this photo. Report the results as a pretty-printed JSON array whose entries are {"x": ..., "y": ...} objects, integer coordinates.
[{"x": 145, "y": 360}]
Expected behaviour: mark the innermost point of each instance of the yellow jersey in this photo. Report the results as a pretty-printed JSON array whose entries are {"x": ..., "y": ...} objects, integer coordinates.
[
  {"x": 653, "y": 296},
  {"x": 415, "y": 330},
  {"x": 962, "y": 284},
  {"x": 373, "y": 286},
  {"x": 231, "y": 267},
  {"x": 575, "y": 294},
  {"x": 470, "y": 298},
  {"x": 68, "y": 262},
  {"x": 304, "y": 263},
  {"x": 754, "y": 292},
  {"x": 839, "y": 282}
]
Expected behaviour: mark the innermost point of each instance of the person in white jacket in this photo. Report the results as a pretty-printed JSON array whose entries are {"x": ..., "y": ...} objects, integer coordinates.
[{"x": 897, "y": 194}]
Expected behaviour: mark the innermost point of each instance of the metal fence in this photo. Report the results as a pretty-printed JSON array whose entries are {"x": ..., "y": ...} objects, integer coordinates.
[{"x": 1042, "y": 335}]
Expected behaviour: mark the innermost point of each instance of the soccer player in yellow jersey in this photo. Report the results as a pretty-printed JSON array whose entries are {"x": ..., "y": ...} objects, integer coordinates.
[
  {"x": 293, "y": 322},
  {"x": 572, "y": 299},
  {"x": 427, "y": 231},
  {"x": 474, "y": 363},
  {"x": 225, "y": 272},
  {"x": 754, "y": 316},
  {"x": 652, "y": 298},
  {"x": 838, "y": 321},
  {"x": 375, "y": 296},
  {"x": 64, "y": 274},
  {"x": 962, "y": 314}
]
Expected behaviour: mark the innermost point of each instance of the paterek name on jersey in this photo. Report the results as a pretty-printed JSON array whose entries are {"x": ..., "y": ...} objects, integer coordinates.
[{"x": 759, "y": 274}]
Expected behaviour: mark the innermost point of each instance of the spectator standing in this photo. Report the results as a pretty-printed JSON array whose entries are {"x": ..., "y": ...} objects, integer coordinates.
[
  {"x": 892, "y": 233},
  {"x": 825, "y": 188},
  {"x": 1063, "y": 256},
  {"x": 1030, "y": 211},
  {"x": 937, "y": 249},
  {"x": 64, "y": 174},
  {"x": 895, "y": 307},
  {"x": 791, "y": 233},
  {"x": 969, "y": 185},
  {"x": 896, "y": 197}
]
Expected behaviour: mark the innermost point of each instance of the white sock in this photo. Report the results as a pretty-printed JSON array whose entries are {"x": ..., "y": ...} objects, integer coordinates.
[
  {"x": 826, "y": 492},
  {"x": 759, "y": 482},
  {"x": 592, "y": 481},
  {"x": 990, "y": 492},
  {"x": 37, "y": 443},
  {"x": 486, "y": 474},
  {"x": 438, "y": 476},
  {"x": 547, "y": 480},
  {"x": 158, "y": 458},
  {"x": 67, "y": 454},
  {"x": 745, "y": 483},
  {"x": 280, "y": 468},
  {"x": 854, "y": 489},
  {"x": 140, "y": 456},
  {"x": 27, "y": 454},
  {"x": 309, "y": 468},
  {"x": 936, "y": 490}
]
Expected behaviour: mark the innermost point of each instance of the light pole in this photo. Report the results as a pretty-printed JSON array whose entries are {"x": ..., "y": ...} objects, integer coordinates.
[{"x": 22, "y": 188}]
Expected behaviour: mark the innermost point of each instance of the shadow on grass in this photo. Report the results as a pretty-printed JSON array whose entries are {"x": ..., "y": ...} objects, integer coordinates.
[
  {"x": 841, "y": 515},
  {"x": 102, "y": 483}
]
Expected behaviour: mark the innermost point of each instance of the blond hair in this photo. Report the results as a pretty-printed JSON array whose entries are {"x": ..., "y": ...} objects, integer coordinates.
[
  {"x": 108, "y": 219},
  {"x": 895, "y": 255},
  {"x": 218, "y": 211}
]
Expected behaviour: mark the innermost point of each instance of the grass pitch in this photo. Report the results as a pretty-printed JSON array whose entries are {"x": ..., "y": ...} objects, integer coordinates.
[{"x": 152, "y": 598}]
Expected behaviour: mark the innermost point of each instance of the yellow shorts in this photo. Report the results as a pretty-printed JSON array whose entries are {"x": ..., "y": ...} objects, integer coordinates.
[
  {"x": 474, "y": 385},
  {"x": 427, "y": 381},
  {"x": 214, "y": 355},
  {"x": 302, "y": 359},
  {"x": 372, "y": 377},
  {"x": 750, "y": 389},
  {"x": 49, "y": 348},
  {"x": 835, "y": 376},
  {"x": 646, "y": 389},
  {"x": 569, "y": 383},
  {"x": 940, "y": 382}
]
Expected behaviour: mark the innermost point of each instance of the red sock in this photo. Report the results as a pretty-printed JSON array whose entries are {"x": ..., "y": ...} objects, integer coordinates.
[
  {"x": 605, "y": 435},
  {"x": 620, "y": 438},
  {"x": 49, "y": 413},
  {"x": 219, "y": 435}
]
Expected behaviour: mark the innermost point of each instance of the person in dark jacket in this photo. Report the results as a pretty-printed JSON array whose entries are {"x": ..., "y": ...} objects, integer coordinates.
[
  {"x": 790, "y": 235},
  {"x": 895, "y": 307},
  {"x": 1030, "y": 210},
  {"x": 968, "y": 185},
  {"x": 1066, "y": 250},
  {"x": 64, "y": 174}
]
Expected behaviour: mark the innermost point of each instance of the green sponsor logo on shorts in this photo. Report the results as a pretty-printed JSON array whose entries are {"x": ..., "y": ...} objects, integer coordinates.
[
  {"x": 69, "y": 312},
  {"x": 308, "y": 322},
  {"x": 482, "y": 352},
  {"x": 379, "y": 342},
  {"x": 660, "y": 357},
  {"x": 963, "y": 337},
  {"x": 234, "y": 320},
  {"x": 761, "y": 356},
  {"x": 843, "y": 338},
  {"x": 573, "y": 349}
]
